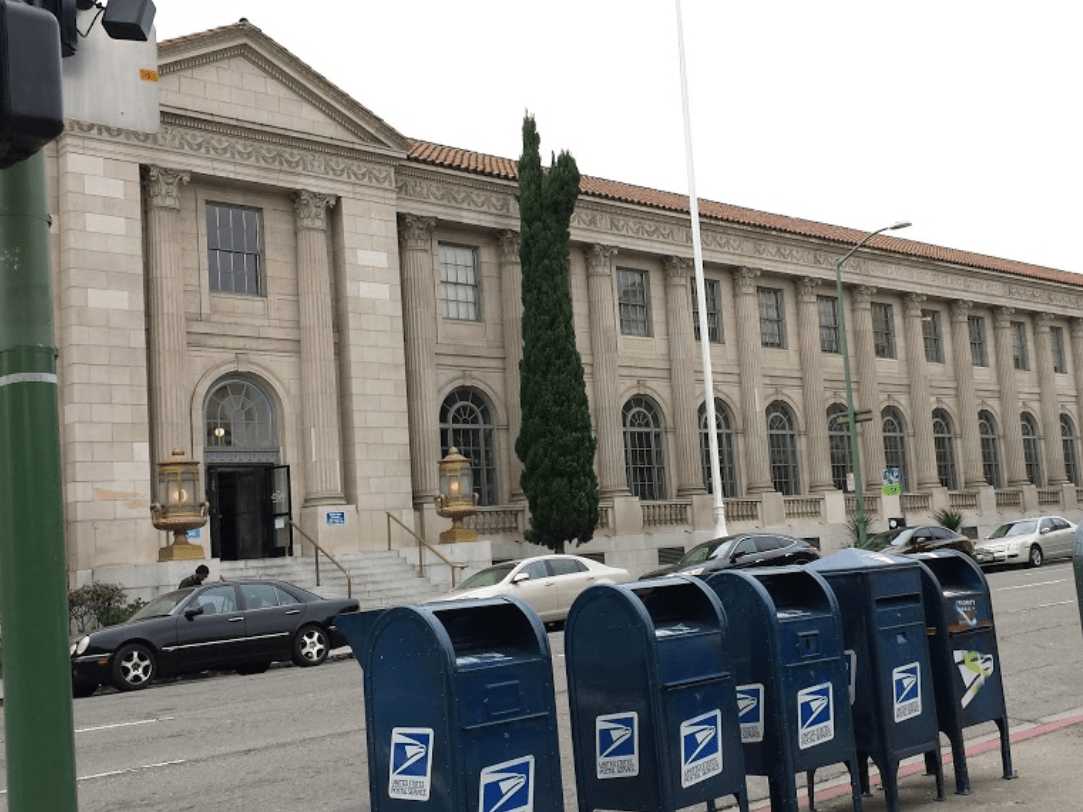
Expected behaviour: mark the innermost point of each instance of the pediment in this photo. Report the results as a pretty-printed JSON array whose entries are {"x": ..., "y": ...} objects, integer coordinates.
[{"x": 240, "y": 75}]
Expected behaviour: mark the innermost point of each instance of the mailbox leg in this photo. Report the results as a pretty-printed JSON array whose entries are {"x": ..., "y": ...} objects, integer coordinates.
[
  {"x": 783, "y": 788},
  {"x": 855, "y": 785},
  {"x": 958, "y": 762},
  {"x": 1006, "y": 749},
  {"x": 889, "y": 777},
  {"x": 938, "y": 771},
  {"x": 863, "y": 772},
  {"x": 742, "y": 800},
  {"x": 810, "y": 785}
]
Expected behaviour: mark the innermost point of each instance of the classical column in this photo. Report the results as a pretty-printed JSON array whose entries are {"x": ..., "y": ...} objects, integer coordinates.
[
  {"x": 419, "y": 328},
  {"x": 750, "y": 366},
  {"x": 1009, "y": 399},
  {"x": 1050, "y": 410},
  {"x": 682, "y": 366},
  {"x": 920, "y": 403},
  {"x": 605, "y": 370},
  {"x": 868, "y": 392},
  {"x": 808, "y": 324},
  {"x": 168, "y": 339},
  {"x": 973, "y": 474},
  {"x": 1077, "y": 366},
  {"x": 321, "y": 433},
  {"x": 511, "y": 302}
]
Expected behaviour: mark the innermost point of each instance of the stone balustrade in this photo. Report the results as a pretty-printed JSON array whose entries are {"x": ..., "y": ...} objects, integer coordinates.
[
  {"x": 1049, "y": 496},
  {"x": 605, "y": 516},
  {"x": 668, "y": 513},
  {"x": 872, "y": 505},
  {"x": 743, "y": 510},
  {"x": 963, "y": 500},
  {"x": 917, "y": 502},
  {"x": 497, "y": 519},
  {"x": 804, "y": 507},
  {"x": 1010, "y": 499}
]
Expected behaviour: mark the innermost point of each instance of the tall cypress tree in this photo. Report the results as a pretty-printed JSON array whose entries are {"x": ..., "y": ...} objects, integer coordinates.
[{"x": 555, "y": 441}]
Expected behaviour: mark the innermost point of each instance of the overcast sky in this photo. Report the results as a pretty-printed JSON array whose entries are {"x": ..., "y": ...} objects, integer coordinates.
[{"x": 961, "y": 116}]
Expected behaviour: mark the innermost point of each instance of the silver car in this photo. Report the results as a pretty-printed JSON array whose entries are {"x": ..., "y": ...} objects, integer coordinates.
[
  {"x": 549, "y": 584},
  {"x": 1027, "y": 541}
]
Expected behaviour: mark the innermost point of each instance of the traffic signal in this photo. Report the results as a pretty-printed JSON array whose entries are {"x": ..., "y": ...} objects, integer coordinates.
[{"x": 31, "y": 97}]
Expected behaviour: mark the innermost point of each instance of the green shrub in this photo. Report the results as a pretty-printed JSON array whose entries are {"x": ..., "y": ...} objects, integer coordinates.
[
  {"x": 96, "y": 605},
  {"x": 951, "y": 519}
]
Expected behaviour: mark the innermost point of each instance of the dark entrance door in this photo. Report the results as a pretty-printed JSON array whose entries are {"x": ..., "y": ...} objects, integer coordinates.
[{"x": 242, "y": 512}]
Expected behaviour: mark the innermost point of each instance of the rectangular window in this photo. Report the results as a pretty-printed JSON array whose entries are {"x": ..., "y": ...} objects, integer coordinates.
[
  {"x": 883, "y": 329},
  {"x": 1060, "y": 362},
  {"x": 1019, "y": 345},
  {"x": 234, "y": 249},
  {"x": 934, "y": 340},
  {"x": 829, "y": 323},
  {"x": 460, "y": 288},
  {"x": 978, "y": 355},
  {"x": 634, "y": 298},
  {"x": 712, "y": 289},
  {"x": 772, "y": 317}
]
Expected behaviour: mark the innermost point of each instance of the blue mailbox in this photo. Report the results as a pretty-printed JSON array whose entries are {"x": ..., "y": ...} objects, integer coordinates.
[
  {"x": 965, "y": 657},
  {"x": 793, "y": 691},
  {"x": 883, "y": 614},
  {"x": 653, "y": 701},
  {"x": 459, "y": 707}
]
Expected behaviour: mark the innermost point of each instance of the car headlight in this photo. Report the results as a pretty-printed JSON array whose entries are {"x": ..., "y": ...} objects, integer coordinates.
[
  {"x": 82, "y": 645},
  {"x": 71, "y": 649},
  {"x": 694, "y": 571}
]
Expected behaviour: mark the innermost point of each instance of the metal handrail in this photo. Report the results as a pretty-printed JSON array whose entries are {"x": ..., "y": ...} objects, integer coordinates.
[
  {"x": 331, "y": 558},
  {"x": 420, "y": 553}
]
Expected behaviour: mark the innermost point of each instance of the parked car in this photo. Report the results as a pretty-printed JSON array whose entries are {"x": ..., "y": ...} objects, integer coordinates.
[
  {"x": 243, "y": 625},
  {"x": 741, "y": 551},
  {"x": 549, "y": 584},
  {"x": 1027, "y": 541},
  {"x": 924, "y": 539}
]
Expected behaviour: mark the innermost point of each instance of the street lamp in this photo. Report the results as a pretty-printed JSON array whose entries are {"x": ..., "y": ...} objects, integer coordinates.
[
  {"x": 456, "y": 499},
  {"x": 855, "y": 450},
  {"x": 179, "y": 510}
]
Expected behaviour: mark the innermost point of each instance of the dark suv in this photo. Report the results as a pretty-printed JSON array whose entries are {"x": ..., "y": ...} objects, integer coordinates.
[{"x": 745, "y": 550}]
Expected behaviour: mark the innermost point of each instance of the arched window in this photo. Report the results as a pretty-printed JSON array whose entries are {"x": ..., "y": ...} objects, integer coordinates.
[
  {"x": 1071, "y": 448},
  {"x": 838, "y": 437},
  {"x": 782, "y": 449},
  {"x": 466, "y": 422},
  {"x": 239, "y": 422},
  {"x": 644, "y": 459},
  {"x": 990, "y": 450},
  {"x": 726, "y": 457},
  {"x": 895, "y": 443},
  {"x": 944, "y": 447},
  {"x": 1032, "y": 451}
]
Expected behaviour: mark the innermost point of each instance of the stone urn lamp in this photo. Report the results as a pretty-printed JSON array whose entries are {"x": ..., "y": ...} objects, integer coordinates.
[
  {"x": 456, "y": 500},
  {"x": 180, "y": 510}
]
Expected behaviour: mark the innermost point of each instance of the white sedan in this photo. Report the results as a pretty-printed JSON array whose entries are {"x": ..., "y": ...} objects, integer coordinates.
[
  {"x": 1027, "y": 541},
  {"x": 549, "y": 584}
]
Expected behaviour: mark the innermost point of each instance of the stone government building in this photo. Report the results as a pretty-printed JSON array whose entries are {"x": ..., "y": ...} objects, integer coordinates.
[{"x": 289, "y": 290}]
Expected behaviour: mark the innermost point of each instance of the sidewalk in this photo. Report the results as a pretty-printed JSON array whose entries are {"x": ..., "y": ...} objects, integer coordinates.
[{"x": 1048, "y": 758}]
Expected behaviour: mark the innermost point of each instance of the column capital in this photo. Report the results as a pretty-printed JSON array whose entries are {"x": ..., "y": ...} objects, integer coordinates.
[
  {"x": 747, "y": 279},
  {"x": 599, "y": 259},
  {"x": 163, "y": 186},
  {"x": 1042, "y": 322},
  {"x": 509, "y": 246},
  {"x": 415, "y": 232},
  {"x": 1002, "y": 317},
  {"x": 311, "y": 208},
  {"x": 914, "y": 304},
  {"x": 960, "y": 310},
  {"x": 807, "y": 289},
  {"x": 862, "y": 296},
  {"x": 678, "y": 269}
]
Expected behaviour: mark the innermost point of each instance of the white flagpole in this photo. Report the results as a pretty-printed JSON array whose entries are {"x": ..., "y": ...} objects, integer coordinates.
[{"x": 701, "y": 294}]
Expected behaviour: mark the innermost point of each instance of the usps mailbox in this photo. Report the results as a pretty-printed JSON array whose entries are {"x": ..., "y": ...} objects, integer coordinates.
[
  {"x": 883, "y": 614},
  {"x": 653, "y": 702},
  {"x": 793, "y": 692},
  {"x": 965, "y": 658},
  {"x": 459, "y": 707}
]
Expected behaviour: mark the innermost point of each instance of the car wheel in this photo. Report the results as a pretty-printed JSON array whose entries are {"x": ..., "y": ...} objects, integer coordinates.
[
  {"x": 310, "y": 646},
  {"x": 133, "y": 667},
  {"x": 1035, "y": 558},
  {"x": 252, "y": 668}
]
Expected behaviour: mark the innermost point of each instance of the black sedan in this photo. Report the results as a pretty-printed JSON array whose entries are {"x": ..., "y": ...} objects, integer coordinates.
[
  {"x": 745, "y": 550},
  {"x": 924, "y": 539},
  {"x": 243, "y": 625}
]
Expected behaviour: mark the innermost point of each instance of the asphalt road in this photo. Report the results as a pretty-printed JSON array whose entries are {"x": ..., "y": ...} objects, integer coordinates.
[{"x": 293, "y": 738}]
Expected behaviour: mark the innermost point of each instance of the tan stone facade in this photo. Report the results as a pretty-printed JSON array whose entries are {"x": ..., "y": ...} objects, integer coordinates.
[{"x": 381, "y": 321}]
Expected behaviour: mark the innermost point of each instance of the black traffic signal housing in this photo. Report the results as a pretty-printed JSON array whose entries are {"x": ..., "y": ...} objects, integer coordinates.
[
  {"x": 65, "y": 12},
  {"x": 31, "y": 94}
]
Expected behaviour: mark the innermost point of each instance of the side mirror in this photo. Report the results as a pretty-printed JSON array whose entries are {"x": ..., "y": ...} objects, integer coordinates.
[
  {"x": 1044, "y": 530},
  {"x": 737, "y": 556},
  {"x": 194, "y": 612},
  {"x": 520, "y": 577}
]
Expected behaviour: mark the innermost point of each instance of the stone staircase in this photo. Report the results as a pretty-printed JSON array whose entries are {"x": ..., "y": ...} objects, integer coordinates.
[{"x": 380, "y": 579}]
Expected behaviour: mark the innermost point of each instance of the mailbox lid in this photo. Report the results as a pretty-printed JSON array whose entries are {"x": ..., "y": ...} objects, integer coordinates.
[
  {"x": 688, "y": 624},
  {"x": 491, "y": 632},
  {"x": 963, "y": 592}
]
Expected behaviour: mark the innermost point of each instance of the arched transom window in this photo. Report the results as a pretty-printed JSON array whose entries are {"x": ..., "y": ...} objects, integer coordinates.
[
  {"x": 644, "y": 458},
  {"x": 466, "y": 423},
  {"x": 782, "y": 449},
  {"x": 944, "y": 447},
  {"x": 239, "y": 420},
  {"x": 726, "y": 456}
]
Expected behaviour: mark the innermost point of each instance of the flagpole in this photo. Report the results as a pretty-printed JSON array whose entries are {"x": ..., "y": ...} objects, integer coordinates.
[{"x": 701, "y": 295}]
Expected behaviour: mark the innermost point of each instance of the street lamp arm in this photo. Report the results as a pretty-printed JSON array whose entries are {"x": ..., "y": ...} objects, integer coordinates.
[{"x": 861, "y": 244}]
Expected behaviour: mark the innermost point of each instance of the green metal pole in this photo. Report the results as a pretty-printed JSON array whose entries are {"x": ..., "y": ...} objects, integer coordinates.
[
  {"x": 33, "y": 574},
  {"x": 855, "y": 448}
]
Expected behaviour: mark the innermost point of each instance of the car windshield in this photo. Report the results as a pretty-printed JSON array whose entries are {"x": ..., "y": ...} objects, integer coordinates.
[
  {"x": 489, "y": 577},
  {"x": 1015, "y": 529},
  {"x": 162, "y": 605},
  {"x": 701, "y": 552},
  {"x": 890, "y": 538}
]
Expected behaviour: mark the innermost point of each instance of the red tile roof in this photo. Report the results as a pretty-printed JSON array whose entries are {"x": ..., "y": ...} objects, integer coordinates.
[{"x": 505, "y": 168}]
